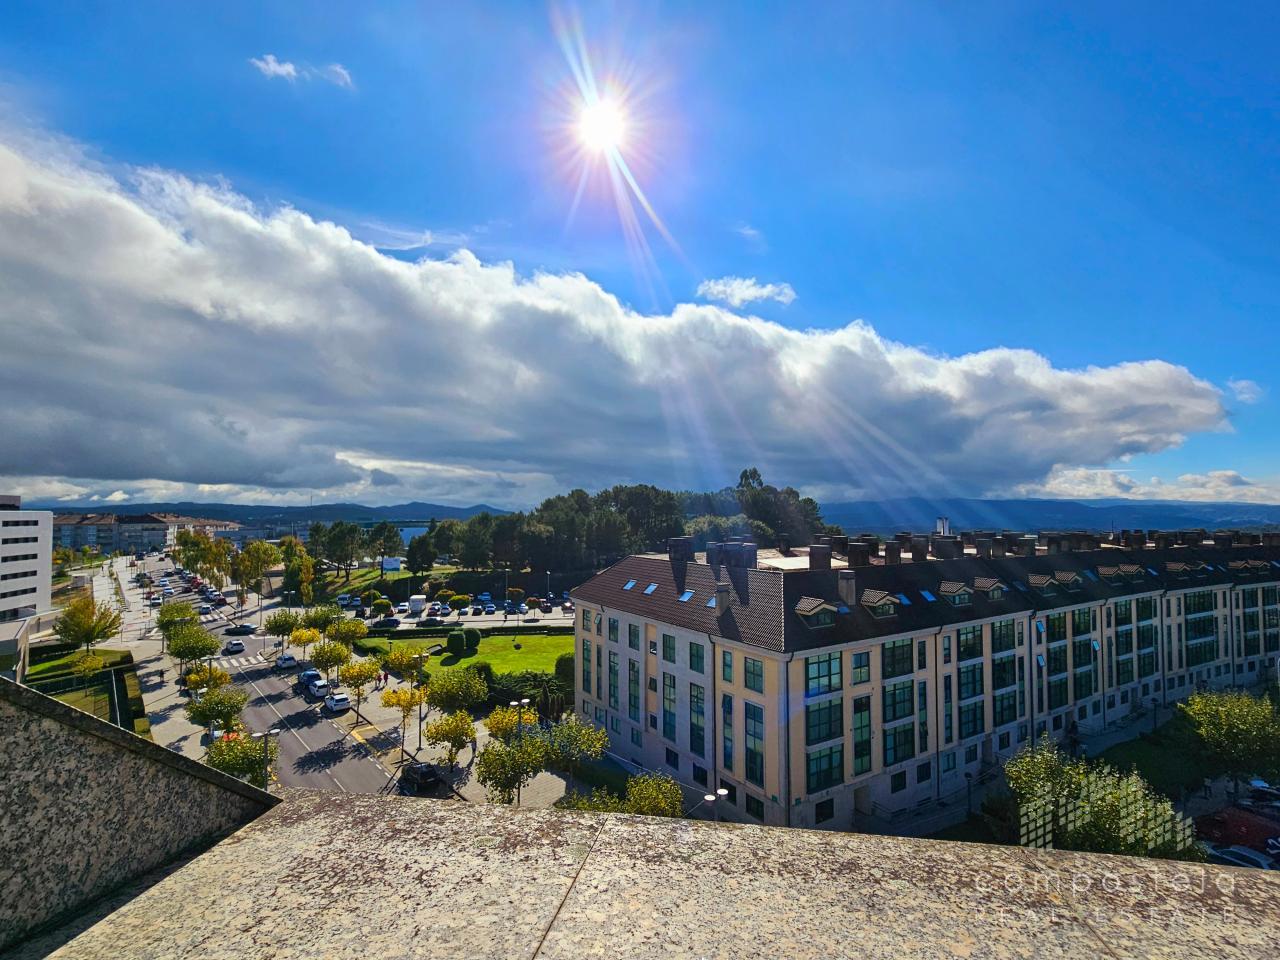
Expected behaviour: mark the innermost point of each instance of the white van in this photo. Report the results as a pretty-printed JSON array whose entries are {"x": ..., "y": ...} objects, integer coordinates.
[{"x": 417, "y": 603}]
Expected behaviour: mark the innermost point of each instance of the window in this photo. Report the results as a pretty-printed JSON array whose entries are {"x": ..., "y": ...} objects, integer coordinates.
[
  {"x": 824, "y": 810},
  {"x": 699, "y": 775},
  {"x": 586, "y": 665},
  {"x": 668, "y": 648},
  {"x": 637, "y": 738},
  {"x": 1055, "y": 626},
  {"x": 897, "y": 701},
  {"x": 732, "y": 791},
  {"x": 1056, "y": 659},
  {"x": 825, "y": 768},
  {"x": 669, "y": 706},
  {"x": 755, "y": 807},
  {"x": 922, "y": 715},
  {"x": 696, "y": 654},
  {"x": 1004, "y": 672},
  {"x": 948, "y": 761},
  {"x": 898, "y": 782},
  {"x": 1002, "y": 634},
  {"x": 971, "y": 681},
  {"x": 673, "y": 759},
  {"x": 861, "y": 668},
  {"x": 969, "y": 641},
  {"x": 628, "y": 585},
  {"x": 613, "y": 629},
  {"x": 946, "y": 649},
  {"x": 1058, "y": 692},
  {"x": 822, "y": 674},
  {"x": 755, "y": 743},
  {"x": 633, "y": 636},
  {"x": 823, "y": 721},
  {"x": 947, "y": 733},
  {"x": 861, "y": 735},
  {"x": 650, "y": 588},
  {"x": 685, "y": 598},
  {"x": 633, "y": 691},
  {"x": 922, "y": 654},
  {"x": 754, "y": 674},
  {"x": 1005, "y": 708},
  {"x": 613, "y": 680},
  {"x": 586, "y": 619},
  {"x": 896, "y": 659},
  {"x": 726, "y": 731},
  {"x": 972, "y": 719},
  {"x": 899, "y": 744},
  {"x": 653, "y": 684},
  {"x": 726, "y": 666},
  {"x": 923, "y": 772},
  {"x": 697, "y": 720},
  {"x": 1080, "y": 623}
]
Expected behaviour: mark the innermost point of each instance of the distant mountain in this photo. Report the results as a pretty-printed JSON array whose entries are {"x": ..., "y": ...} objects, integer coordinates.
[
  {"x": 249, "y": 513},
  {"x": 919, "y": 514}
]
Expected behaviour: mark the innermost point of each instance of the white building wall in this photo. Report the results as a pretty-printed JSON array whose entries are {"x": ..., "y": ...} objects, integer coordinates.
[{"x": 26, "y": 562}]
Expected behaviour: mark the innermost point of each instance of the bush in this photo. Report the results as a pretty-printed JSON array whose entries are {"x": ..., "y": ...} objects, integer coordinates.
[
  {"x": 472, "y": 637},
  {"x": 443, "y": 595},
  {"x": 369, "y": 597},
  {"x": 456, "y": 643},
  {"x": 565, "y": 668},
  {"x": 460, "y": 601}
]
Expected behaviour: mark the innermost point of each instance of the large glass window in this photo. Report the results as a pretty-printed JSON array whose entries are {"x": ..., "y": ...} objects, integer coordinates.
[
  {"x": 897, "y": 701},
  {"x": 696, "y": 657},
  {"x": 1079, "y": 623},
  {"x": 1055, "y": 627},
  {"x": 586, "y": 665},
  {"x": 613, "y": 679},
  {"x": 861, "y": 735},
  {"x": 613, "y": 629},
  {"x": 1146, "y": 608},
  {"x": 726, "y": 666},
  {"x": 899, "y": 743},
  {"x": 1005, "y": 708},
  {"x": 1056, "y": 659},
  {"x": 1057, "y": 693},
  {"x": 726, "y": 731},
  {"x": 969, "y": 643},
  {"x": 697, "y": 720},
  {"x": 633, "y": 636},
  {"x": 861, "y": 668},
  {"x": 1004, "y": 672},
  {"x": 1124, "y": 613},
  {"x": 971, "y": 681},
  {"x": 1002, "y": 636},
  {"x": 896, "y": 659},
  {"x": 633, "y": 691},
  {"x": 825, "y": 768},
  {"x": 1124, "y": 641},
  {"x": 669, "y": 706},
  {"x": 753, "y": 671},
  {"x": 821, "y": 674},
  {"x": 668, "y": 648},
  {"x": 972, "y": 716},
  {"x": 754, "y": 715},
  {"x": 823, "y": 721}
]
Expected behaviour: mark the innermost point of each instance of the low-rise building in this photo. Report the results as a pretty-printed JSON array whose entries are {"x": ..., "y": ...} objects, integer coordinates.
[
  {"x": 130, "y": 533},
  {"x": 823, "y": 688}
]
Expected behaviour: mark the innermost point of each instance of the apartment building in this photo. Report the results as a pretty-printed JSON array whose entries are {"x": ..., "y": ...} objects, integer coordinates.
[
  {"x": 26, "y": 565},
  {"x": 843, "y": 681},
  {"x": 130, "y": 533}
]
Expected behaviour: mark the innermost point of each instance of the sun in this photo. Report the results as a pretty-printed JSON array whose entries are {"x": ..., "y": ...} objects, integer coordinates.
[{"x": 602, "y": 126}]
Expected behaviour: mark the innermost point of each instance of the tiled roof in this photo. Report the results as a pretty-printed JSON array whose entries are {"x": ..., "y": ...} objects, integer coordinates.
[
  {"x": 1040, "y": 579},
  {"x": 873, "y": 598},
  {"x": 810, "y": 605},
  {"x": 987, "y": 583},
  {"x": 952, "y": 587}
]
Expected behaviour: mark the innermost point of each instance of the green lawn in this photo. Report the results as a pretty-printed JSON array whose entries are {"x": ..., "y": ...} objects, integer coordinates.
[
  {"x": 1168, "y": 760},
  {"x": 537, "y": 652},
  {"x": 94, "y": 700},
  {"x": 62, "y": 665}
]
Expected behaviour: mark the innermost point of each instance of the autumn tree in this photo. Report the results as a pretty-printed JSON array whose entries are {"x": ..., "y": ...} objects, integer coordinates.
[
  {"x": 303, "y": 637},
  {"x": 281, "y": 624},
  {"x": 453, "y": 732},
  {"x": 505, "y": 723},
  {"x": 406, "y": 700},
  {"x": 329, "y": 656},
  {"x": 503, "y": 769},
  {"x": 381, "y": 607},
  {"x": 647, "y": 794},
  {"x": 453, "y": 690},
  {"x": 220, "y": 707},
  {"x": 203, "y": 676},
  {"x": 347, "y": 631},
  {"x": 1238, "y": 734},
  {"x": 571, "y": 742},
  {"x": 243, "y": 757},
  {"x": 357, "y": 675},
  {"x": 84, "y": 623},
  {"x": 321, "y": 618}
]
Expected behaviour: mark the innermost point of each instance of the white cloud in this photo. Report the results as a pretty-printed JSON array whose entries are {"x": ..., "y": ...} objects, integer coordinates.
[
  {"x": 1247, "y": 391},
  {"x": 1084, "y": 483},
  {"x": 116, "y": 496},
  {"x": 169, "y": 340},
  {"x": 334, "y": 73},
  {"x": 737, "y": 291},
  {"x": 269, "y": 66},
  {"x": 755, "y": 238}
]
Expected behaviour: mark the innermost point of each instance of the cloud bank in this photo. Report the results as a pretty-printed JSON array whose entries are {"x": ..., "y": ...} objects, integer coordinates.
[
  {"x": 168, "y": 339},
  {"x": 739, "y": 291},
  {"x": 270, "y": 67}
]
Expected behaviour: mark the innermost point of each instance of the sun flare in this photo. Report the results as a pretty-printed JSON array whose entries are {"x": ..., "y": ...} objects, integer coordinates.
[{"x": 602, "y": 126}]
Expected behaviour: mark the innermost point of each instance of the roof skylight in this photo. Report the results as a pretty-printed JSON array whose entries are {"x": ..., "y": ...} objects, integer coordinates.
[
  {"x": 628, "y": 585},
  {"x": 650, "y": 588},
  {"x": 686, "y": 596},
  {"x": 928, "y": 596}
]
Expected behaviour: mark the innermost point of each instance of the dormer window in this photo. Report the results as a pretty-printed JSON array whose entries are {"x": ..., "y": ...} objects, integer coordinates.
[
  {"x": 956, "y": 594},
  {"x": 960, "y": 599},
  {"x": 882, "y": 610},
  {"x": 1041, "y": 584},
  {"x": 993, "y": 588},
  {"x": 995, "y": 593},
  {"x": 880, "y": 604},
  {"x": 823, "y": 618},
  {"x": 815, "y": 613}
]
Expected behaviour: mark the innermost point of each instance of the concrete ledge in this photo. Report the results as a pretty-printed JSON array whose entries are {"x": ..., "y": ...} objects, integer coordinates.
[
  {"x": 347, "y": 875},
  {"x": 38, "y": 703}
]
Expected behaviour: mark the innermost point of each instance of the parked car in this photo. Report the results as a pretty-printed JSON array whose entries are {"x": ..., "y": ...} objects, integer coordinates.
[
  {"x": 567, "y": 606},
  {"x": 522, "y": 608},
  {"x": 156, "y": 601},
  {"x": 220, "y": 601},
  {"x": 545, "y": 606},
  {"x": 419, "y": 778},
  {"x": 234, "y": 646},
  {"x": 430, "y": 622},
  {"x": 286, "y": 661},
  {"x": 402, "y": 608},
  {"x": 318, "y": 689},
  {"x": 337, "y": 703},
  {"x": 204, "y": 608},
  {"x": 240, "y": 630},
  {"x": 306, "y": 677},
  {"x": 1237, "y": 856},
  {"x": 490, "y": 609},
  {"x": 433, "y": 610},
  {"x": 476, "y": 610},
  {"x": 344, "y": 599},
  {"x": 386, "y": 623}
]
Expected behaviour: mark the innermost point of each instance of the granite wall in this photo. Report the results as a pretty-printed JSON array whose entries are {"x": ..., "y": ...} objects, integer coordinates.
[{"x": 86, "y": 807}]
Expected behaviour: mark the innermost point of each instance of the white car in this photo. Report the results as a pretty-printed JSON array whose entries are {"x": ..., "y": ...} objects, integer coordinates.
[
  {"x": 337, "y": 703},
  {"x": 402, "y": 608},
  {"x": 234, "y": 646},
  {"x": 319, "y": 689},
  {"x": 286, "y": 661}
]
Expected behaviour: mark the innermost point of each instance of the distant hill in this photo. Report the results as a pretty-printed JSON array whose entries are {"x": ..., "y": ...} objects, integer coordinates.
[
  {"x": 918, "y": 514},
  {"x": 249, "y": 513}
]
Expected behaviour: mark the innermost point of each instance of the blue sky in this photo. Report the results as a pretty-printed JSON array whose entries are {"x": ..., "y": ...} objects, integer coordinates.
[{"x": 1098, "y": 184}]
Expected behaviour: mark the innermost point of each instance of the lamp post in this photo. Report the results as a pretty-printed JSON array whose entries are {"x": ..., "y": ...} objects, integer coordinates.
[
  {"x": 968, "y": 792},
  {"x": 417, "y": 678},
  {"x": 710, "y": 798},
  {"x": 519, "y": 707},
  {"x": 265, "y": 736}
]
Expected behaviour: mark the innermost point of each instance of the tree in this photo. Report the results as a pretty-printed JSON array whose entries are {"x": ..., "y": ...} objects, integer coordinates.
[
  {"x": 570, "y": 742},
  {"x": 303, "y": 637},
  {"x": 504, "y": 723},
  {"x": 447, "y": 537},
  {"x": 317, "y": 538},
  {"x": 254, "y": 561},
  {"x": 1239, "y": 734},
  {"x": 291, "y": 548},
  {"x": 299, "y": 578},
  {"x": 329, "y": 656},
  {"x": 420, "y": 556},
  {"x": 191, "y": 642},
  {"x": 347, "y": 631},
  {"x": 84, "y": 623},
  {"x": 456, "y": 643},
  {"x": 549, "y": 691},
  {"x": 453, "y": 690},
  {"x": 460, "y": 601},
  {"x": 477, "y": 541},
  {"x": 406, "y": 700},
  {"x": 357, "y": 675},
  {"x": 404, "y": 662},
  {"x": 220, "y": 707},
  {"x": 385, "y": 541},
  {"x": 202, "y": 676},
  {"x": 381, "y": 607},
  {"x": 281, "y": 624},
  {"x": 470, "y": 638},
  {"x": 172, "y": 615},
  {"x": 648, "y": 795},
  {"x": 453, "y": 732},
  {"x": 370, "y": 597},
  {"x": 243, "y": 757},
  {"x": 63, "y": 557},
  {"x": 323, "y": 617},
  {"x": 515, "y": 594},
  {"x": 344, "y": 543},
  {"x": 86, "y": 666},
  {"x": 1074, "y": 805},
  {"x": 504, "y": 768}
]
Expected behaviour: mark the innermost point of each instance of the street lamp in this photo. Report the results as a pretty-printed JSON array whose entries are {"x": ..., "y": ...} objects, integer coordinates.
[
  {"x": 968, "y": 792},
  {"x": 265, "y": 737},
  {"x": 417, "y": 677},
  {"x": 548, "y": 586},
  {"x": 710, "y": 798},
  {"x": 519, "y": 707}
]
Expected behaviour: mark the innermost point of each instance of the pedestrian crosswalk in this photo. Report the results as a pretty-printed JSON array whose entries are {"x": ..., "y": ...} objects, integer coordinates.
[{"x": 244, "y": 660}]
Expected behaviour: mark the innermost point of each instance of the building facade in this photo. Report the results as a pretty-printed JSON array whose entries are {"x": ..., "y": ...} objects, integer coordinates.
[
  {"x": 26, "y": 560},
  {"x": 824, "y": 689},
  {"x": 130, "y": 533}
]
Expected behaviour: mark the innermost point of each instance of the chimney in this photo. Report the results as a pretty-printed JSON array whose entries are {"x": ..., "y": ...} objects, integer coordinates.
[
  {"x": 943, "y": 528},
  {"x": 784, "y": 545},
  {"x": 722, "y": 598},
  {"x": 998, "y": 547},
  {"x": 820, "y": 557},
  {"x": 919, "y": 549},
  {"x": 859, "y": 554},
  {"x": 846, "y": 583},
  {"x": 679, "y": 548},
  {"x": 714, "y": 558},
  {"x": 1027, "y": 546},
  {"x": 892, "y": 552},
  {"x": 749, "y": 552},
  {"x": 983, "y": 546},
  {"x": 840, "y": 545}
]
